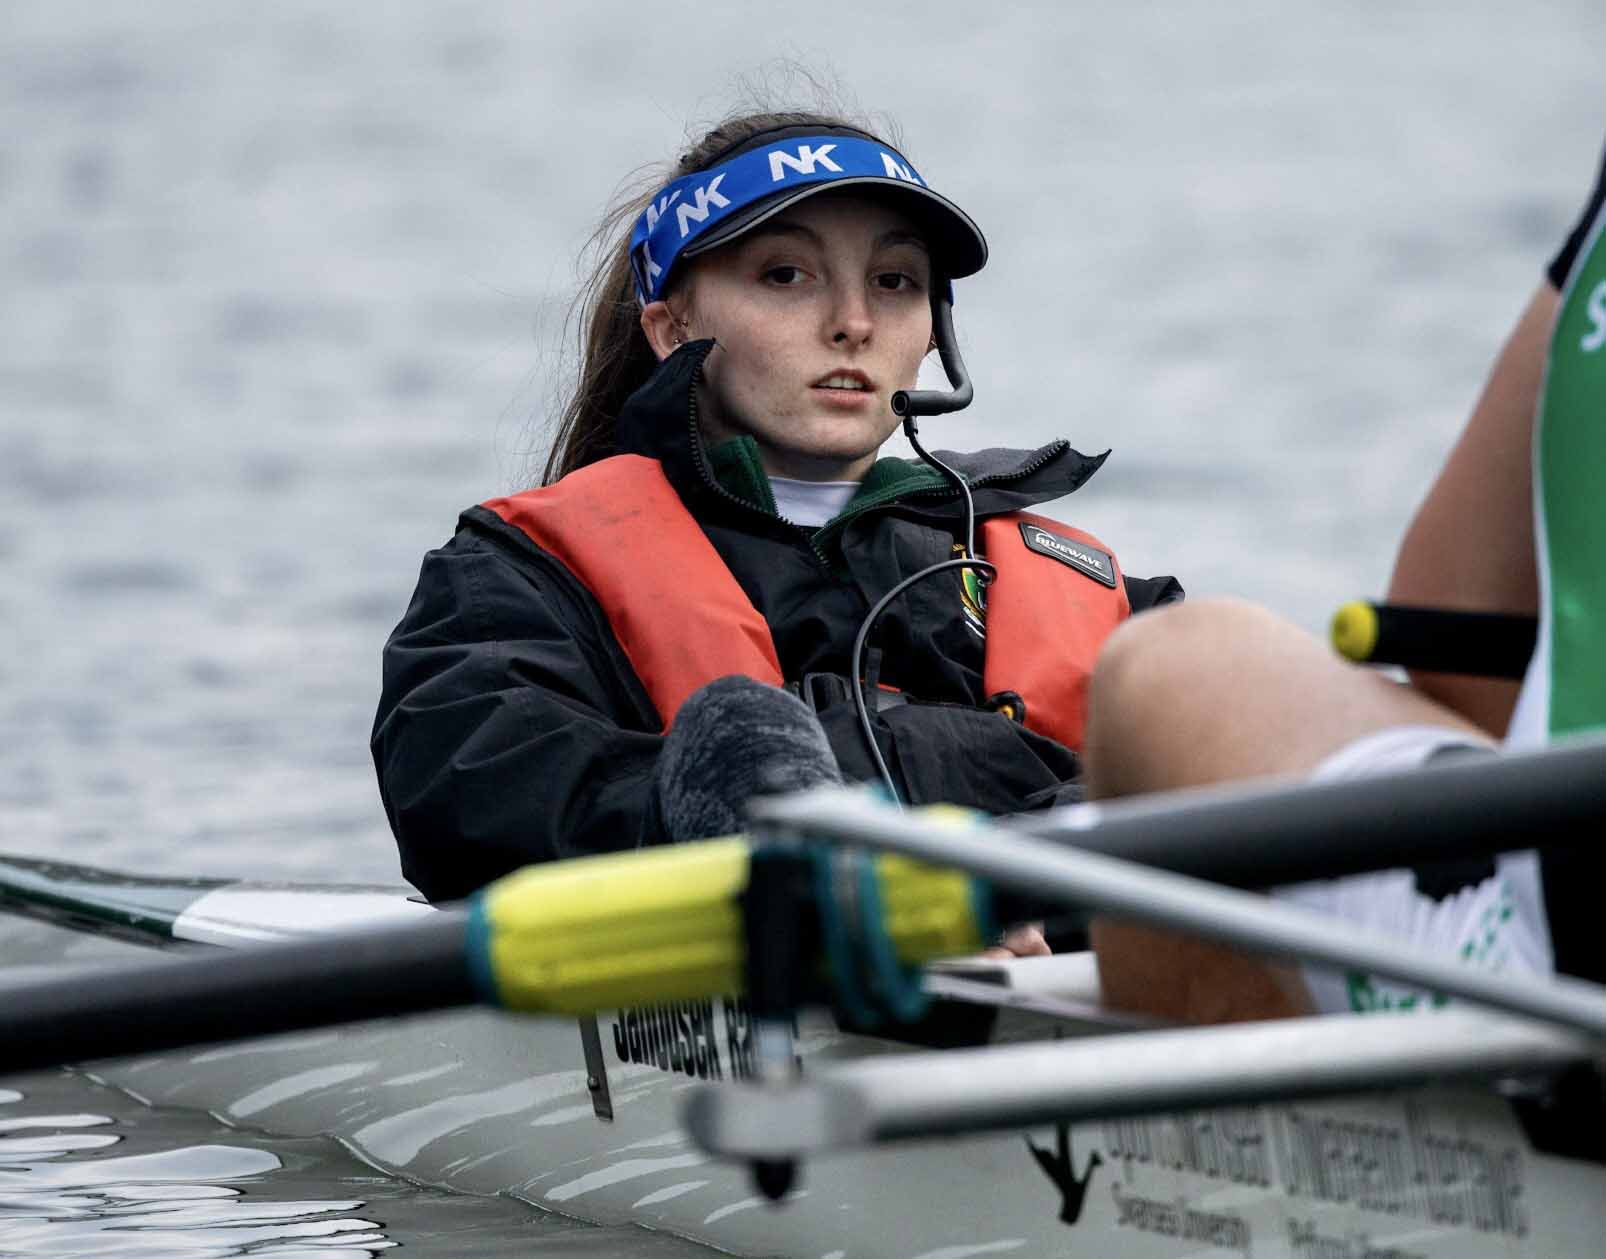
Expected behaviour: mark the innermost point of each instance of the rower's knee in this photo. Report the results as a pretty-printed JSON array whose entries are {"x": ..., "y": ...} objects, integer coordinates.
[
  {"x": 1159, "y": 677},
  {"x": 1150, "y": 658}
]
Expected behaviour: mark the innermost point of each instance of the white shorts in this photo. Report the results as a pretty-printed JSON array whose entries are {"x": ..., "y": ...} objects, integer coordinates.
[{"x": 1499, "y": 922}]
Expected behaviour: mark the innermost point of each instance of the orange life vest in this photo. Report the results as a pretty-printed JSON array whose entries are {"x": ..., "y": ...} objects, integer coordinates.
[{"x": 683, "y": 620}]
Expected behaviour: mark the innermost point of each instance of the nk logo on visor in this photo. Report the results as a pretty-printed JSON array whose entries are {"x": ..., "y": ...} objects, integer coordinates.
[{"x": 695, "y": 204}]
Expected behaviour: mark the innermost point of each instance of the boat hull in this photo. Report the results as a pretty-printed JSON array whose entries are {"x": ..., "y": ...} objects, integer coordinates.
[
  {"x": 495, "y": 1104},
  {"x": 591, "y": 1126}
]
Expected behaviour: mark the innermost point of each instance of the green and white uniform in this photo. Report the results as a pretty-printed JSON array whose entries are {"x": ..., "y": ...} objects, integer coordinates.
[{"x": 1565, "y": 689}]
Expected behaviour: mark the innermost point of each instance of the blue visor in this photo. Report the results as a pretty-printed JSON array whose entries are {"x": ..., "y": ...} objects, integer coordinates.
[{"x": 708, "y": 208}]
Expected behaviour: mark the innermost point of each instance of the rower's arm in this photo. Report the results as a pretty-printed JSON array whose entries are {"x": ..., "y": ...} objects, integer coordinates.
[
  {"x": 1471, "y": 544},
  {"x": 506, "y": 733}
]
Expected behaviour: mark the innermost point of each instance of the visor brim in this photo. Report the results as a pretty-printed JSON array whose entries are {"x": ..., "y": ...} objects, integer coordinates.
[{"x": 957, "y": 246}]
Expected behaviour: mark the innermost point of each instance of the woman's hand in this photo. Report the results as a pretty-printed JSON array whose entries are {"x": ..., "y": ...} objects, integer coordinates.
[
  {"x": 1025, "y": 940},
  {"x": 732, "y": 740}
]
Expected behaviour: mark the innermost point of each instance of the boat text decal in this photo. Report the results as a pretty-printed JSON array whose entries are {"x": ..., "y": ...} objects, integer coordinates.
[
  {"x": 705, "y": 1039},
  {"x": 1400, "y": 1162}
]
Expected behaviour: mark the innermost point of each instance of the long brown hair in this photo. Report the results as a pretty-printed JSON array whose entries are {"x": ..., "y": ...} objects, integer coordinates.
[{"x": 615, "y": 358}]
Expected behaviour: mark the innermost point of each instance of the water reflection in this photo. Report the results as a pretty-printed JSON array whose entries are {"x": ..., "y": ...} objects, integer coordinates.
[
  {"x": 67, "y": 1189},
  {"x": 86, "y": 1169}
]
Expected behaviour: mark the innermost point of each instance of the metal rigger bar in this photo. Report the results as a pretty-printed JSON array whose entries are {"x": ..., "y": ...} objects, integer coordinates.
[
  {"x": 1056, "y": 872},
  {"x": 911, "y": 1095}
]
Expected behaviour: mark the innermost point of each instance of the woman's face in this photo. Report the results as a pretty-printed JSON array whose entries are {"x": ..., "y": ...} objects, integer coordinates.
[{"x": 820, "y": 315}]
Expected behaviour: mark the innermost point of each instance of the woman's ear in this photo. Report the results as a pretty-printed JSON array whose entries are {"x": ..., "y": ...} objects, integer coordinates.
[{"x": 664, "y": 331}]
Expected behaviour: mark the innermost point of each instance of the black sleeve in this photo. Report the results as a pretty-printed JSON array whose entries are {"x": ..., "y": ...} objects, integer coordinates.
[
  {"x": 1561, "y": 265},
  {"x": 1144, "y": 593},
  {"x": 507, "y": 732}
]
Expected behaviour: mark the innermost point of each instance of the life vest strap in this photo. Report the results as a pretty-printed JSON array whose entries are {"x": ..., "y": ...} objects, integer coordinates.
[
  {"x": 822, "y": 691},
  {"x": 678, "y": 614},
  {"x": 1046, "y": 620}
]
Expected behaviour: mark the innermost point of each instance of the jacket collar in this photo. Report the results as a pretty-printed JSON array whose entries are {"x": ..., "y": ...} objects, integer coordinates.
[{"x": 659, "y": 421}]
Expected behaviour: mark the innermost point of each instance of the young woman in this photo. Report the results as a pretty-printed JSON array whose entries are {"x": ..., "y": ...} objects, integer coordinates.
[{"x": 682, "y": 615}]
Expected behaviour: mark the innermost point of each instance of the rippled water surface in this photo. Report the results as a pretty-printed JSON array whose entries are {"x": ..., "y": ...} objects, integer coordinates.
[
  {"x": 86, "y": 1170},
  {"x": 282, "y": 292}
]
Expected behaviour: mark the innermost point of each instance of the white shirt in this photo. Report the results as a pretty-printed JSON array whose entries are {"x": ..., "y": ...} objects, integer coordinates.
[{"x": 810, "y": 503}]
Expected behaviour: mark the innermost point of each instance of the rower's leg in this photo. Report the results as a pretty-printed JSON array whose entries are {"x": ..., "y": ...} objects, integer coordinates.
[
  {"x": 1219, "y": 690},
  {"x": 1207, "y": 692}
]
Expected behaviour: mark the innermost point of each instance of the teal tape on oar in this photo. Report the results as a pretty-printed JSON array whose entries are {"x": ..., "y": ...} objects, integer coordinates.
[
  {"x": 846, "y": 991},
  {"x": 895, "y": 987},
  {"x": 869, "y": 984},
  {"x": 984, "y": 906},
  {"x": 477, "y": 950}
]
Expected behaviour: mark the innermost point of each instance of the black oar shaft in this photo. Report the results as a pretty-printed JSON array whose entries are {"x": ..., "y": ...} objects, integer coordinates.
[
  {"x": 315, "y": 982},
  {"x": 1436, "y": 640},
  {"x": 1473, "y": 806}
]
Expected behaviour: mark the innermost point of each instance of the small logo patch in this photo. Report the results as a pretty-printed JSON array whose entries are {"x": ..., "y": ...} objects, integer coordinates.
[
  {"x": 1083, "y": 558},
  {"x": 972, "y": 596}
]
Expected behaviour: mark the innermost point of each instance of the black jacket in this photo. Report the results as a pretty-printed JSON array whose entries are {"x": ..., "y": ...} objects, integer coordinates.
[{"x": 511, "y": 728}]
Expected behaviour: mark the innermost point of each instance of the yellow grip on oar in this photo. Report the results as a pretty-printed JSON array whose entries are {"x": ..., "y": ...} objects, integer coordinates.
[
  {"x": 1354, "y": 631},
  {"x": 665, "y": 924},
  {"x": 654, "y": 924},
  {"x": 929, "y": 911}
]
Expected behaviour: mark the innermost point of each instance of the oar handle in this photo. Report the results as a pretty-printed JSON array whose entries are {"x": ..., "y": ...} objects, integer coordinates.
[{"x": 1435, "y": 640}]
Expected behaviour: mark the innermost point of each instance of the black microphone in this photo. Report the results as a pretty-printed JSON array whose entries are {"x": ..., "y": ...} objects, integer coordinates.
[{"x": 912, "y": 402}]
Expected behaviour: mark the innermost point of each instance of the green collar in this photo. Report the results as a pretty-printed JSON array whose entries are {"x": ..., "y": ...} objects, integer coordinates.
[{"x": 738, "y": 469}]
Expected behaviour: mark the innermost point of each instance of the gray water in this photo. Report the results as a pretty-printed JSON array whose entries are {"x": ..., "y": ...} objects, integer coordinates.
[{"x": 283, "y": 290}]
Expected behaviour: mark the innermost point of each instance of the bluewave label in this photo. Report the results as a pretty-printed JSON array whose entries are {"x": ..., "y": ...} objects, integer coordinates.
[{"x": 1085, "y": 559}]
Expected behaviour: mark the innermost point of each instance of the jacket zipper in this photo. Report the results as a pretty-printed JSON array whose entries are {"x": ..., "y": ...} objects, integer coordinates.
[{"x": 709, "y": 482}]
